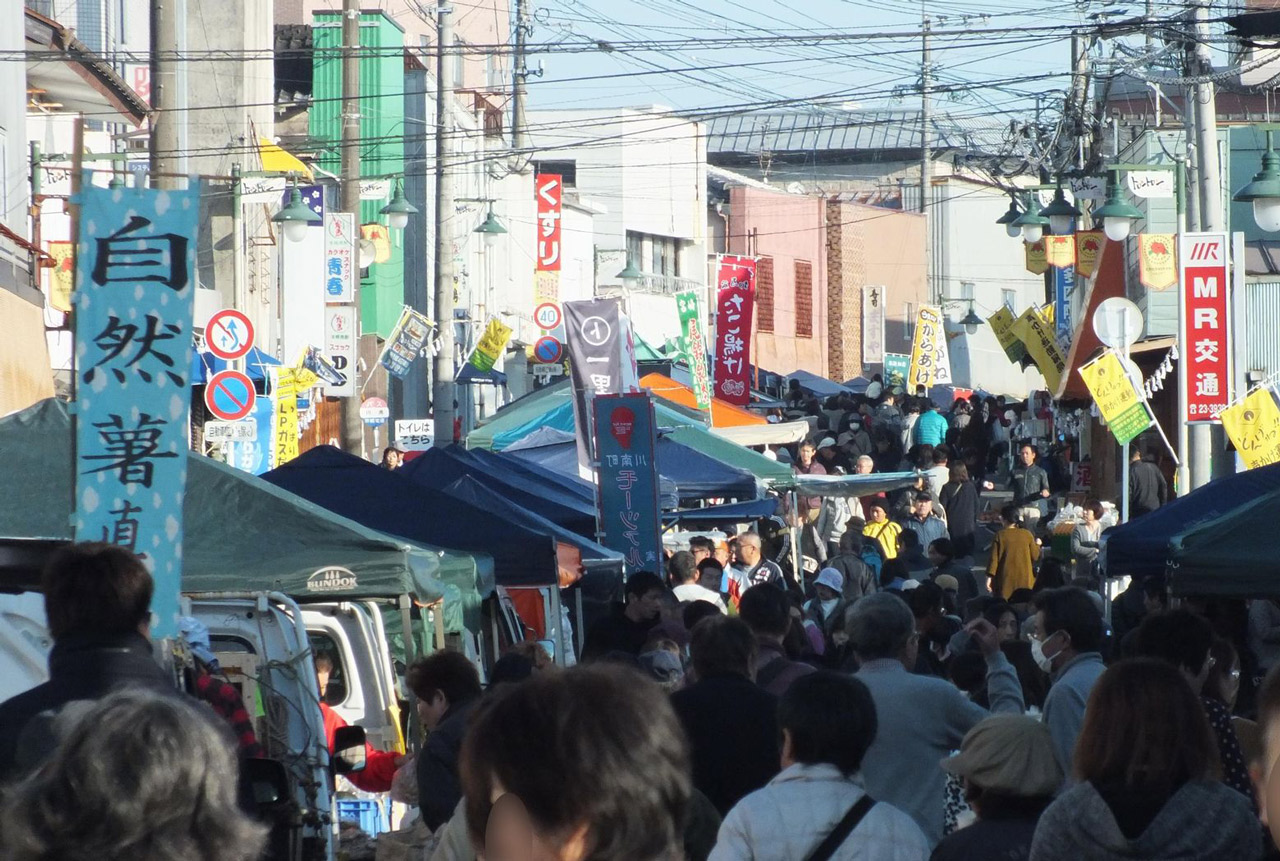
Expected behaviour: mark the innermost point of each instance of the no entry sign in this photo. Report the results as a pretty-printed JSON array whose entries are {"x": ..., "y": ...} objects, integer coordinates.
[
  {"x": 547, "y": 350},
  {"x": 230, "y": 396},
  {"x": 229, "y": 334}
]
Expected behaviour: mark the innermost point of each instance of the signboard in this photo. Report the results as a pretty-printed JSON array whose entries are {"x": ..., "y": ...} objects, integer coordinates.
[
  {"x": 547, "y": 316},
  {"x": 930, "y": 361},
  {"x": 1254, "y": 428},
  {"x": 595, "y": 360},
  {"x": 1064, "y": 284},
  {"x": 1001, "y": 323},
  {"x": 261, "y": 189},
  {"x": 491, "y": 345},
  {"x": 407, "y": 340},
  {"x": 135, "y": 260},
  {"x": 218, "y": 431},
  {"x": 375, "y": 189},
  {"x": 896, "y": 366},
  {"x": 229, "y": 334},
  {"x": 1157, "y": 269},
  {"x": 374, "y": 412},
  {"x": 627, "y": 479},
  {"x": 1204, "y": 310},
  {"x": 544, "y": 370},
  {"x": 285, "y": 394},
  {"x": 548, "y": 189},
  {"x": 735, "y": 301},
  {"x": 257, "y": 455},
  {"x": 415, "y": 434},
  {"x": 340, "y": 347},
  {"x": 694, "y": 346},
  {"x": 229, "y": 395},
  {"x": 340, "y": 264},
  {"x": 1150, "y": 183},
  {"x": 873, "y": 300},
  {"x": 1060, "y": 251},
  {"x": 1118, "y": 399},
  {"x": 1042, "y": 346},
  {"x": 547, "y": 350},
  {"x": 1037, "y": 260},
  {"x": 1088, "y": 250},
  {"x": 1082, "y": 477},
  {"x": 1088, "y": 188}
]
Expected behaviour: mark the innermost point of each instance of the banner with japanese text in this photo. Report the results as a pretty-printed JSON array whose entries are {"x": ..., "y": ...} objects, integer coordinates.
[
  {"x": 1253, "y": 426},
  {"x": 340, "y": 264},
  {"x": 595, "y": 347},
  {"x": 1088, "y": 252},
  {"x": 1117, "y": 397},
  {"x": 490, "y": 346},
  {"x": 1204, "y": 309},
  {"x": 627, "y": 479},
  {"x": 134, "y": 300},
  {"x": 548, "y": 189},
  {"x": 1064, "y": 284},
  {"x": 735, "y": 303},
  {"x": 1157, "y": 268},
  {"x": 873, "y": 302},
  {"x": 1060, "y": 251},
  {"x": 1001, "y": 323},
  {"x": 694, "y": 346},
  {"x": 1038, "y": 337},
  {"x": 1037, "y": 258},
  {"x": 896, "y": 366},
  {"x": 930, "y": 360},
  {"x": 406, "y": 342},
  {"x": 285, "y": 394}
]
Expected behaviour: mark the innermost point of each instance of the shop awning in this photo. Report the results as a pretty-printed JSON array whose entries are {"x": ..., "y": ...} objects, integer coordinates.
[
  {"x": 736, "y": 512},
  {"x": 276, "y": 159},
  {"x": 723, "y": 413},
  {"x": 818, "y": 386},
  {"x": 846, "y": 485},
  {"x": 1235, "y": 555},
  {"x": 68, "y": 77}
]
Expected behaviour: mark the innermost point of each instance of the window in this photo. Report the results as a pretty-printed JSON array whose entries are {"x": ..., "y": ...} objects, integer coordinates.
[
  {"x": 322, "y": 644},
  {"x": 460, "y": 63},
  {"x": 966, "y": 290},
  {"x": 635, "y": 248},
  {"x": 804, "y": 299},
  {"x": 764, "y": 294},
  {"x": 908, "y": 321},
  {"x": 1010, "y": 299},
  {"x": 568, "y": 171},
  {"x": 655, "y": 255}
]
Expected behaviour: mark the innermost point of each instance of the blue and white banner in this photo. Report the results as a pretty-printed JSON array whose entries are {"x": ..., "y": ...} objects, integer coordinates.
[
  {"x": 1064, "y": 284},
  {"x": 627, "y": 479},
  {"x": 135, "y": 286}
]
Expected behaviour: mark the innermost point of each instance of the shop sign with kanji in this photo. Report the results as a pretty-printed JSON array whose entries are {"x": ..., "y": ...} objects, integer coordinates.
[
  {"x": 694, "y": 346},
  {"x": 735, "y": 301},
  {"x": 1204, "y": 308},
  {"x": 627, "y": 478}
]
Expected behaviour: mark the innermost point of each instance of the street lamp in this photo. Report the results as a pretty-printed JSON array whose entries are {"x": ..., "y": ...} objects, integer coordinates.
[
  {"x": 1031, "y": 223},
  {"x": 398, "y": 210},
  {"x": 295, "y": 217},
  {"x": 1264, "y": 190},
  {"x": 1060, "y": 213},
  {"x": 1010, "y": 216},
  {"x": 971, "y": 321},
  {"x": 490, "y": 229},
  {"x": 1117, "y": 215},
  {"x": 630, "y": 274}
]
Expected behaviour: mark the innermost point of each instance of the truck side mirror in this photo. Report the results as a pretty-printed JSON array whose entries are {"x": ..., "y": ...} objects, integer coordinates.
[
  {"x": 267, "y": 781},
  {"x": 349, "y": 749}
]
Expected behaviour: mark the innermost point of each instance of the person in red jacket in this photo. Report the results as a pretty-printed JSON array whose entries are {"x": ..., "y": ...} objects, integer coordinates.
[{"x": 380, "y": 765}]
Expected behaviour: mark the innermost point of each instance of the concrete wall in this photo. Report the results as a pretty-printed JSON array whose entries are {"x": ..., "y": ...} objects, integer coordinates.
[{"x": 893, "y": 249}]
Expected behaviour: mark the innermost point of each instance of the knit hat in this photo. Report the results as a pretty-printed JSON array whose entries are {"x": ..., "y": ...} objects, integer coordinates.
[
  {"x": 831, "y": 578},
  {"x": 947, "y": 583},
  {"x": 1012, "y": 754}
]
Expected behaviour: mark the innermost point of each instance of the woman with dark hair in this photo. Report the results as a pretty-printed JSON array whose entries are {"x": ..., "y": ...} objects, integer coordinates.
[
  {"x": 1149, "y": 778},
  {"x": 960, "y": 500}
]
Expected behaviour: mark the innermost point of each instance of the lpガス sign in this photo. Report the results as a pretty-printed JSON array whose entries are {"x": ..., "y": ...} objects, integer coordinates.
[
  {"x": 736, "y": 280},
  {"x": 1207, "y": 350},
  {"x": 548, "y": 189}
]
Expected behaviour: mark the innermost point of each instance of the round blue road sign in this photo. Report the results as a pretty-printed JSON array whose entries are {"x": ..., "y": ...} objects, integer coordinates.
[
  {"x": 547, "y": 350},
  {"x": 229, "y": 395}
]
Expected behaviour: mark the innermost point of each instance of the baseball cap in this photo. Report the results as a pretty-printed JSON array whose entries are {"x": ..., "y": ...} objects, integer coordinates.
[
  {"x": 1012, "y": 754},
  {"x": 827, "y": 442},
  {"x": 947, "y": 583},
  {"x": 831, "y": 578}
]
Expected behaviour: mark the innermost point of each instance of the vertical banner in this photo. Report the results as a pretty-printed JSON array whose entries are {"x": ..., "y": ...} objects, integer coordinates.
[
  {"x": 930, "y": 360},
  {"x": 1157, "y": 269},
  {"x": 339, "y": 257},
  {"x": 1042, "y": 346},
  {"x": 1037, "y": 257},
  {"x": 1064, "y": 284},
  {"x": 405, "y": 343},
  {"x": 1254, "y": 428},
  {"x": 134, "y": 304},
  {"x": 490, "y": 346},
  {"x": 595, "y": 362},
  {"x": 1001, "y": 323},
  {"x": 1088, "y": 250},
  {"x": 896, "y": 366},
  {"x": 256, "y": 455},
  {"x": 627, "y": 480},
  {"x": 62, "y": 275},
  {"x": 735, "y": 302},
  {"x": 340, "y": 347},
  {"x": 1060, "y": 251},
  {"x": 1207, "y": 351},
  {"x": 381, "y": 239},
  {"x": 285, "y": 395},
  {"x": 548, "y": 189},
  {"x": 873, "y": 325},
  {"x": 1118, "y": 399},
  {"x": 694, "y": 346}
]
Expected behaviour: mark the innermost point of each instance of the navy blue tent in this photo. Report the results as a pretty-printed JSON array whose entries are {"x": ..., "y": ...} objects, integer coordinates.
[
  {"x": 1140, "y": 547},
  {"x": 570, "y": 480},
  {"x": 736, "y": 512},
  {"x": 441, "y": 467},
  {"x": 383, "y": 500}
]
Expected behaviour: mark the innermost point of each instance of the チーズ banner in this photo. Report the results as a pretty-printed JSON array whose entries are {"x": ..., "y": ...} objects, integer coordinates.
[
  {"x": 1088, "y": 250},
  {"x": 1118, "y": 400},
  {"x": 1001, "y": 323},
  {"x": 694, "y": 346},
  {"x": 490, "y": 346},
  {"x": 735, "y": 302},
  {"x": 627, "y": 478},
  {"x": 1157, "y": 268},
  {"x": 1037, "y": 257},
  {"x": 1042, "y": 346},
  {"x": 1204, "y": 309},
  {"x": 1254, "y": 428},
  {"x": 930, "y": 361},
  {"x": 134, "y": 302},
  {"x": 1060, "y": 251},
  {"x": 594, "y": 343},
  {"x": 406, "y": 342}
]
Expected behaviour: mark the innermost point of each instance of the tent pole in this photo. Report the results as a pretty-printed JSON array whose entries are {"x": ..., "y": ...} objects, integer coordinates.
[
  {"x": 405, "y": 605},
  {"x": 795, "y": 539},
  {"x": 558, "y": 621},
  {"x": 577, "y": 600}
]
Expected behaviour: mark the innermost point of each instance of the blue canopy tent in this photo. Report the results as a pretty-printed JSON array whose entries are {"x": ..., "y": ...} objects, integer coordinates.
[
  {"x": 382, "y": 500},
  {"x": 567, "y": 479},
  {"x": 440, "y": 467},
  {"x": 736, "y": 512},
  {"x": 818, "y": 386},
  {"x": 1139, "y": 548},
  {"x": 204, "y": 365}
]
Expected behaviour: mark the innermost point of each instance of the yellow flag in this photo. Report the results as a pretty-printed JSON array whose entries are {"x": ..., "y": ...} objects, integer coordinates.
[
  {"x": 1037, "y": 262},
  {"x": 1157, "y": 267},
  {"x": 491, "y": 344},
  {"x": 1088, "y": 250},
  {"x": 1042, "y": 346},
  {"x": 381, "y": 238},
  {"x": 1253, "y": 425},
  {"x": 62, "y": 275},
  {"x": 930, "y": 360},
  {"x": 286, "y": 430},
  {"x": 1060, "y": 251},
  {"x": 1122, "y": 408},
  {"x": 1001, "y": 323}
]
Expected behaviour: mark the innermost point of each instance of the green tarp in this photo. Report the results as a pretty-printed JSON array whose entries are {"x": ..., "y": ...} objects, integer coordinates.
[
  {"x": 241, "y": 533},
  {"x": 1236, "y": 554}
]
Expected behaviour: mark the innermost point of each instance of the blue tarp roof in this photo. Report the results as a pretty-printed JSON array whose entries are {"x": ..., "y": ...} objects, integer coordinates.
[
  {"x": 204, "y": 365},
  {"x": 816, "y": 385},
  {"x": 561, "y": 460},
  {"x": 570, "y": 481},
  {"x": 383, "y": 500},
  {"x": 737, "y": 512},
  {"x": 471, "y": 375},
  {"x": 1140, "y": 547},
  {"x": 440, "y": 467}
]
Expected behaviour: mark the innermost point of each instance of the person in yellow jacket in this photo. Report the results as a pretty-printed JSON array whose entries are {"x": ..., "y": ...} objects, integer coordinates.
[
  {"x": 1014, "y": 551},
  {"x": 882, "y": 529}
]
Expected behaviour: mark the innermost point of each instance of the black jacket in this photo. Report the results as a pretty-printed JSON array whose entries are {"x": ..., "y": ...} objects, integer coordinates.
[
  {"x": 436, "y": 767},
  {"x": 80, "y": 668},
  {"x": 859, "y": 579},
  {"x": 616, "y": 633},
  {"x": 988, "y": 840},
  {"x": 1147, "y": 488},
  {"x": 732, "y": 727}
]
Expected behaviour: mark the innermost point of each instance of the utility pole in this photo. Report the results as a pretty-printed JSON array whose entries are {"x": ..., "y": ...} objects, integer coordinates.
[
  {"x": 926, "y": 155},
  {"x": 442, "y": 390},
  {"x": 520, "y": 76},
  {"x": 163, "y": 142},
  {"x": 352, "y": 426}
]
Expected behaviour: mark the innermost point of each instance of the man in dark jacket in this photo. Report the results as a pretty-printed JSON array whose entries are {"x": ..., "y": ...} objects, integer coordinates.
[
  {"x": 447, "y": 687},
  {"x": 767, "y": 612},
  {"x": 1147, "y": 488},
  {"x": 1030, "y": 486},
  {"x": 732, "y": 725},
  {"x": 627, "y": 626},
  {"x": 97, "y": 599},
  {"x": 859, "y": 579}
]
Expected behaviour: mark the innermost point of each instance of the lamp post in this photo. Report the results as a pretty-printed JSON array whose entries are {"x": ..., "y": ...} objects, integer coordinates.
[
  {"x": 1062, "y": 215},
  {"x": 1116, "y": 214},
  {"x": 1010, "y": 216},
  {"x": 295, "y": 216},
  {"x": 1264, "y": 190},
  {"x": 971, "y": 321},
  {"x": 398, "y": 210},
  {"x": 1031, "y": 224}
]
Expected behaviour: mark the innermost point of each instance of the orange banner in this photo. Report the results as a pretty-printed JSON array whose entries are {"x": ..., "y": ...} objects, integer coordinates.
[
  {"x": 1157, "y": 266},
  {"x": 1060, "y": 251},
  {"x": 381, "y": 239},
  {"x": 62, "y": 276},
  {"x": 1088, "y": 250},
  {"x": 1037, "y": 261}
]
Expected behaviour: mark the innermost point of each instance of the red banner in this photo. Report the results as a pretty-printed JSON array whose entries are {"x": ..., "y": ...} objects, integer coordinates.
[
  {"x": 548, "y": 189},
  {"x": 736, "y": 282},
  {"x": 1204, "y": 309}
]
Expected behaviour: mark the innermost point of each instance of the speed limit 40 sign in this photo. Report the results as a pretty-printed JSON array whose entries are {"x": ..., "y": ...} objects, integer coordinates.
[{"x": 547, "y": 316}]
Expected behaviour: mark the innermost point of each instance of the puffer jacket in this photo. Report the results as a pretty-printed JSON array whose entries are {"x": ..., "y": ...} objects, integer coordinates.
[{"x": 789, "y": 817}]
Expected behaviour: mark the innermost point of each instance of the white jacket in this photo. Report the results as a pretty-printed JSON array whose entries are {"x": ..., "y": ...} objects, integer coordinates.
[{"x": 794, "y": 812}]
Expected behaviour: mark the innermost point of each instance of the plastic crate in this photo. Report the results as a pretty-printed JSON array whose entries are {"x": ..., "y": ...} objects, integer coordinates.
[{"x": 370, "y": 814}]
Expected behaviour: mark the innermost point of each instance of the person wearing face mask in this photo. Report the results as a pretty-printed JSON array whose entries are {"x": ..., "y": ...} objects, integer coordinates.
[
  {"x": 827, "y": 608},
  {"x": 1067, "y": 644}
]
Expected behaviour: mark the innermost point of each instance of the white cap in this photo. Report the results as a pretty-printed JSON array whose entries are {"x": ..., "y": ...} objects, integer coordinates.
[{"x": 831, "y": 578}]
